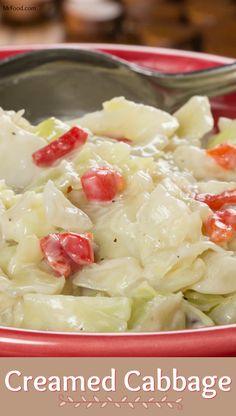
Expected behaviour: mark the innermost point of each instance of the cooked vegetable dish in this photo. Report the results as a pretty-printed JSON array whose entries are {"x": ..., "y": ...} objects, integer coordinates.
[{"x": 122, "y": 220}]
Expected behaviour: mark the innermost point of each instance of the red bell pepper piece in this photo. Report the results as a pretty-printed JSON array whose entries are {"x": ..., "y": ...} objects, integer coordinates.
[
  {"x": 55, "y": 255},
  {"x": 216, "y": 202},
  {"x": 221, "y": 226},
  {"x": 65, "y": 252},
  {"x": 224, "y": 155},
  {"x": 55, "y": 150},
  {"x": 78, "y": 247},
  {"x": 102, "y": 184}
]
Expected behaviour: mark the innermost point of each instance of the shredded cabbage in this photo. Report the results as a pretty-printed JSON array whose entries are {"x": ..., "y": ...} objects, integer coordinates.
[
  {"x": 78, "y": 314},
  {"x": 51, "y": 129},
  {"x": 137, "y": 122},
  {"x": 16, "y": 148},
  {"x": 61, "y": 213},
  {"x": 195, "y": 118},
  {"x": 153, "y": 265},
  {"x": 225, "y": 312},
  {"x": 117, "y": 277},
  {"x": 226, "y": 135},
  {"x": 162, "y": 313},
  {"x": 195, "y": 318}
]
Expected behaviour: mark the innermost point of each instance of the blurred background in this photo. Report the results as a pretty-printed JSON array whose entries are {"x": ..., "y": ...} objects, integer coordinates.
[{"x": 200, "y": 25}]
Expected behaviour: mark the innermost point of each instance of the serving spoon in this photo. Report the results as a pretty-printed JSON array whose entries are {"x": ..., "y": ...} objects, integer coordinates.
[{"x": 67, "y": 83}]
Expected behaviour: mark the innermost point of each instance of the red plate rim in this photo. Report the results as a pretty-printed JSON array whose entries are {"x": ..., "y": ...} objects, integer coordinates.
[{"x": 120, "y": 47}]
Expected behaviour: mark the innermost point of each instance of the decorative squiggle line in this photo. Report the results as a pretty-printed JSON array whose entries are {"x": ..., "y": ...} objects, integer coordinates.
[{"x": 164, "y": 401}]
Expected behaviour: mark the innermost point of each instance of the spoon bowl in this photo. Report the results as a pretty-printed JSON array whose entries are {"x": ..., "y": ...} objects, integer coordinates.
[{"x": 66, "y": 83}]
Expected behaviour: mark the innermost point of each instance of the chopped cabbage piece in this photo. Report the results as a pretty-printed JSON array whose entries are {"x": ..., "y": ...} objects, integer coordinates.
[
  {"x": 7, "y": 253},
  {"x": 195, "y": 318},
  {"x": 10, "y": 310},
  {"x": 117, "y": 277},
  {"x": 8, "y": 197},
  {"x": 161, "y": 212},
  {"x": 225, "y": 312},
  {"x": 227, "y": 135},
  {"x": 181, "y": 277},
  {"x": 195, "y": 118},
  {"x": 223, "y": 123},
  {"x": 113, "y": 153},
  {"x": 63, "y": 175},
  {"x": 136, "y": 122},
  {"x": 220, "y": 274},
  {"x": 114, "y": 233},
  {"x": 61, "y": 213},
  {"x": 202, "y": 301},
  {"x": 5, "y": 283},
  {"x": 175, "y": 269},
  {"x": 202, "y": 166},
  {"x": 51, "y": 129},
  {"x": 26, "y": 217},
  {"x": 215, "y": 187},
  {"x": 27, "y": 252},
  {"x": 31, "y": 279},
  {"x": 70, "y": 313},
  {"x": 162, "y": 313},
  {"x": 16, "y": 148}
]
